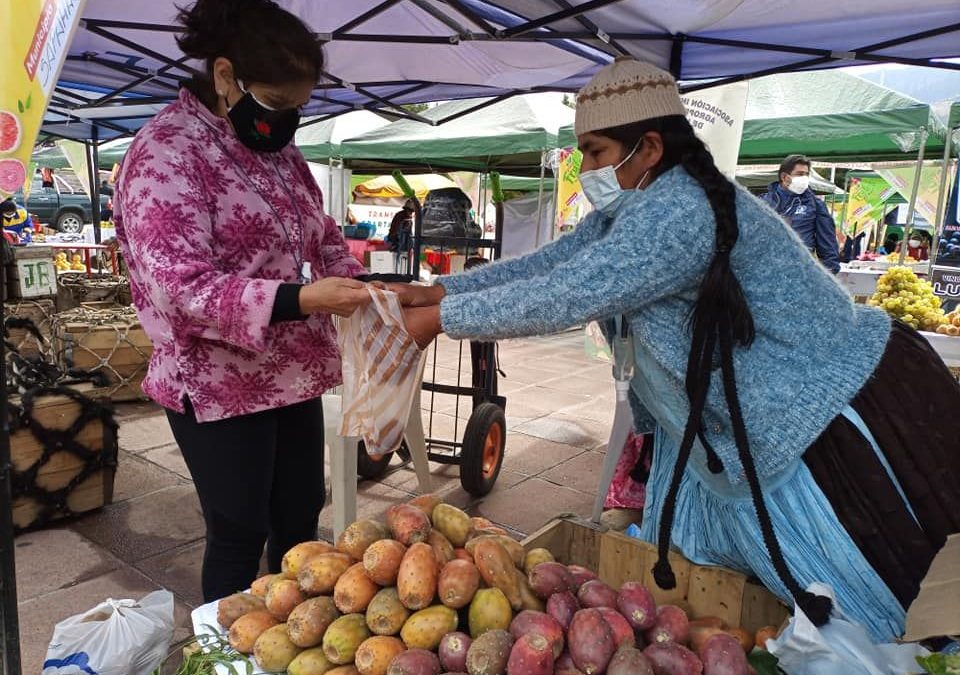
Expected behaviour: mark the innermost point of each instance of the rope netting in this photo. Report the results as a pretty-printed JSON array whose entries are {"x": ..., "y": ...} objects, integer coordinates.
[
  {"x": 73, "y": 290},
  {"x": 28, "y": 326},
  {"x": 106, "y": 340}
]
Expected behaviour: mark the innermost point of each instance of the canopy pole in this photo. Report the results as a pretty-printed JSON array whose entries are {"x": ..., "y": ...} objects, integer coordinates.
[
  {"x": 329, "y": 207},
  {"x": 941, "y": 196},
  {"x": 553, "y": 225},
  {"x": 846, "y": 202},
  {"x": 543, "y": 169},
  {"x": 911, "y": 209},
  {"x": 9, "y": 618},
  {"x": 94, "y": 168}
]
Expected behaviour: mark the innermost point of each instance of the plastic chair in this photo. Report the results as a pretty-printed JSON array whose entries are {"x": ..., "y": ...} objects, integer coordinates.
[
  {"x": 343, "y": 457},
  {"x": 622, "y": 423}
]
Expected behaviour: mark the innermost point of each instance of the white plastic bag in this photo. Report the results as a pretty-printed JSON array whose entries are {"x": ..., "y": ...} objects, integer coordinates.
[
  {"x": 117, "y": 637},
  {"x": 841, "y": 647},
  {"x": 381, "y": 373}
]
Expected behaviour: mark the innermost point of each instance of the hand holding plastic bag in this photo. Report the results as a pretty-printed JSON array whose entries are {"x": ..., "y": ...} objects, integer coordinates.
[
  {"x": 841, "y": 647},
  {"x": 117, "y": 637},
  {"x": 381, "y": 373}
]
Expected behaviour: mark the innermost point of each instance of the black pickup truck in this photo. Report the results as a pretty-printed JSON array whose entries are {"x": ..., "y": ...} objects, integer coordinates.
[{"x": 61, "y": 207}]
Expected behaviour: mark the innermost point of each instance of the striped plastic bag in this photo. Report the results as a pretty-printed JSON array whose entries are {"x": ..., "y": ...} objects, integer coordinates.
[{"x": 382, "y": 369}]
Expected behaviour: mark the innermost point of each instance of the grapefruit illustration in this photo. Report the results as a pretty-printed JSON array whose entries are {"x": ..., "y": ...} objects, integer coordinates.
[
  {"x": 10, "y": 131},
  {"x": 13, "y": 174}
]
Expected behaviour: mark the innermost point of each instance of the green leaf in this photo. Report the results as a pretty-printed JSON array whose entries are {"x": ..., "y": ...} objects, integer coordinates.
[
  {"x": 29, "y": 100},
  {"x": 764, "y": 662},
  {"x": 20, "y": 105},
  {"x": 940, "y": 664}
]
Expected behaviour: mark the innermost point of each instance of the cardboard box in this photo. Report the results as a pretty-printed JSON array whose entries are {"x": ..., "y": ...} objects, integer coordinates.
[
  {"x": 936, "y": 610},
  {"x": 618, "y": 558}
]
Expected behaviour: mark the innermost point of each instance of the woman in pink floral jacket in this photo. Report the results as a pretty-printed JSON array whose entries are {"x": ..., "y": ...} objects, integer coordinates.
[{"x": 235, "y": 271}]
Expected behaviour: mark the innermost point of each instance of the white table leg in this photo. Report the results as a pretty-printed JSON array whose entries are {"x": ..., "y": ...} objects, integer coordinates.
[{"x": 417, "y": 443}]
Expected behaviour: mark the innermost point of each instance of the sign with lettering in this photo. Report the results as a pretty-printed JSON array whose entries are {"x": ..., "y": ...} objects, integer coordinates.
[
  {"x": 946, "y": 285},
  {"x": 37, "y": 278}
]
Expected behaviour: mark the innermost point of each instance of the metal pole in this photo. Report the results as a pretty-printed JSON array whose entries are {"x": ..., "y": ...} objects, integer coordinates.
[
  {"x": 846, "y": 202},
  {"x": 941, "y": 196},
  {"x": 95, "y": 186},
  {"x": 543, "y": 169},
  {"x": 329, "y": 207},
  {"x": 9, "y": 618},
  {"x": 911, "y": 209},
  {"x": 556, "y": 207}
]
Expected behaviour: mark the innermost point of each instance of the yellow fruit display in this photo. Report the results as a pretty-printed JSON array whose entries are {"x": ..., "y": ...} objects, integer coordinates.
[
  {"x": 951, "y": 325},
  {"x": 906, "y": 297}
]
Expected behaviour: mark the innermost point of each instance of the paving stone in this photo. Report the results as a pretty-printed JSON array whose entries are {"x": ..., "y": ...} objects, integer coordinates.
[
  {"x": 137, "y": 477},
  {"x": 529, "y": 505},
  {"x": 580, "y": 473},
  {"x": 125, "y": 411},
  {"x": 39, "y": 615},
  {"x": 170, "y": 458},
  {"x": 48, "y": 560},
  {"x": 537, "y": 401},
  {"x": 530, "y": 455},
  {"x": 575, "y": 431},
  {"x": 145, "y": 526},
  {"x": 178, "y": 570},
  {"x": 372, "y": 500},
  {"x": 145, "y": 433},
  {"x": 442, "y": 478}
]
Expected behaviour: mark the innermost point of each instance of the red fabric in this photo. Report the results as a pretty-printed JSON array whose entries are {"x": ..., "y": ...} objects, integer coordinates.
[
  {"x": 624, "y": 492},
  {"x": 359, "y": 247}
]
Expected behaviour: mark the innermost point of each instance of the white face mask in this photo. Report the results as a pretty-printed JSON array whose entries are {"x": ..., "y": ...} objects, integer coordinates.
[
  {"x": 799, "y": 184},
  {"x": 602, "y": 187},
  {"x": 914, "y": 243}
]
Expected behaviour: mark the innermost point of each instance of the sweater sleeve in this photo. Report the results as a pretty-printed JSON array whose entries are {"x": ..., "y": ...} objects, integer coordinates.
[
  {"x": 168, "y": 241},
  {"x": 646, "y": 255},
  {"x": 529, "y": 266}
]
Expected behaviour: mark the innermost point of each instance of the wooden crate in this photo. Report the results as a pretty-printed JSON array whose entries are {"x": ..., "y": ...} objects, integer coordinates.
[
  {"x": 32, "y": 481},
  {"x": 41, "y": 313},
  {"x": 76, "y": 290},
  {"x": 107, "y": 339},
  {"x": 618, "y": 558},
  {"x": 32, "y": 273}
]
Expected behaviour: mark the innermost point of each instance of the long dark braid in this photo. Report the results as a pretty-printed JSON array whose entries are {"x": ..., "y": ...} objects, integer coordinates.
[{"x": 720, "y": 318}]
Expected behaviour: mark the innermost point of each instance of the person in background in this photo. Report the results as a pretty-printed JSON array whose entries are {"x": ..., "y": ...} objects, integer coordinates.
[
  {"x": 918, "y": 245},
  {"x": 401, "y": 228},
  {"x": 891, "y": 244},
  {"x": 769, "y": 457},
  {"x": 106, "y": 188},
  {"x": 15, "y": 218},
  {"x": 792, "y": 198},
  {"x": 235, "y": 270}
]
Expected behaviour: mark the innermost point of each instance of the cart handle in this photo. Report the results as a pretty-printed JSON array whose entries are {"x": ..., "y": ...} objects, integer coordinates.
[
  {"x": 497, "y": 192},
  {"x": 408, "y": 191}
]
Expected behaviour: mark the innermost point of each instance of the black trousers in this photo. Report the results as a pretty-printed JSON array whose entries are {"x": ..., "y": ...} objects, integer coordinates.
[{"x": 260, "y": 480}]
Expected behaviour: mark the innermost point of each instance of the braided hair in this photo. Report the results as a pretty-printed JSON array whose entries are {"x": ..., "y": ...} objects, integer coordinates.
[{"x": 720, "y": 320}]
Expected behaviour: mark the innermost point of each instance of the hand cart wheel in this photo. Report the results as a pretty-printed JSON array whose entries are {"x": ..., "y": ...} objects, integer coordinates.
[
  {"x": 482, "y": 453},
  {"x": 369, "y": 468}
]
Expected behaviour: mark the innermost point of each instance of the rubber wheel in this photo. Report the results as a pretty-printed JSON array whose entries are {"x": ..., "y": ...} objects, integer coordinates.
[
  {"x": 369, "y": 468},
  {"x": 484, "y": 441},
  {"x": 70, "y": 222}
]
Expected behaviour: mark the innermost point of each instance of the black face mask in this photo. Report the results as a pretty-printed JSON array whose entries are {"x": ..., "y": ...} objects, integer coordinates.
[{"x": 261, "y": 128}]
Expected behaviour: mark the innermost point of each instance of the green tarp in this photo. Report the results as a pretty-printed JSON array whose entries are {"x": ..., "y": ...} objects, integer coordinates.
[
  {"x": 508, "y": 136},
  {"x": 830, "y": 116},
  {"x": 108, "y": 154},
  {"x": 319, "y": 141}
]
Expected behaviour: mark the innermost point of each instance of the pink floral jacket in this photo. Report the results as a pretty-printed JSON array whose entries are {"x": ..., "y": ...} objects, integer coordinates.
[{"x": 209, "y": 230}]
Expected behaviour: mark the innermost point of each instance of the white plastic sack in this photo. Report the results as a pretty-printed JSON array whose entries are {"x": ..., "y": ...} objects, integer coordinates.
[
  {"x": 841, "y": 647},
  {"x": 381, "y": 373},
  {"x": 117, "y": 637}
]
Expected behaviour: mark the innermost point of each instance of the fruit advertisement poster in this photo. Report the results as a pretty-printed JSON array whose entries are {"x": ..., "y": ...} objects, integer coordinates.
[
  {"x": 902, "y": 179},
  {"x": 866, "y": 197},
  {"x": 571, "y": 206},
  {"x": 36, "y": 36}
]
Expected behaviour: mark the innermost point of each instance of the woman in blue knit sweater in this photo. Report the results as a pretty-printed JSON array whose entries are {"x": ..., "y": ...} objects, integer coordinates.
[{"x": 801, "y": 437}]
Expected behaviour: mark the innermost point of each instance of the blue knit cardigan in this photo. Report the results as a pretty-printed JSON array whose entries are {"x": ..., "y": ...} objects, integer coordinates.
[{"x": 814, "y": 350}]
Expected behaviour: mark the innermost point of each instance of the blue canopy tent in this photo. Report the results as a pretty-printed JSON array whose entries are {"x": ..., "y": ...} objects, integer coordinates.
[{"x": 124, "y": 63}]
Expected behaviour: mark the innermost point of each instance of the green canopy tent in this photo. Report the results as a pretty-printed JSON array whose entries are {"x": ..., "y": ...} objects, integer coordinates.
[
  {"x": 828, "y": 116},
  {"x": 108, "y": 154},
  {"x": 319, "y": 138},
  {"x": 509, "y": 136}
]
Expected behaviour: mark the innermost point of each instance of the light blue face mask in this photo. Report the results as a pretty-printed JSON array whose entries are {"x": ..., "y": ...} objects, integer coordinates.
[{"x": 602, "y": 187}]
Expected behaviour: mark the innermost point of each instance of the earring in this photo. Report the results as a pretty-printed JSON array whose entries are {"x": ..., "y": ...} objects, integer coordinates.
[{"x": 220, "y": 93}]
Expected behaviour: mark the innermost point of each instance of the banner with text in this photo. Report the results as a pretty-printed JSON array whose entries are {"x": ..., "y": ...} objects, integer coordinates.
[
  {"x": 36, "y": 36},
  {"x": 717, "y": 114}
]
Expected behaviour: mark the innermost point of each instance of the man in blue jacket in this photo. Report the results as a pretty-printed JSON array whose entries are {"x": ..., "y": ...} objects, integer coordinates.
[{"x": 793, "y": 199}]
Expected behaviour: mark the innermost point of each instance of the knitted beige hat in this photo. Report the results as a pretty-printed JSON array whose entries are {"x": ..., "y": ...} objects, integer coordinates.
[{"x": 624, "y": 92}]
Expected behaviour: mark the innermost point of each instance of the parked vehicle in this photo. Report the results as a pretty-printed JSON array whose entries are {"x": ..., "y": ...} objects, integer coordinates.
[{"x": 61, "y": 207}]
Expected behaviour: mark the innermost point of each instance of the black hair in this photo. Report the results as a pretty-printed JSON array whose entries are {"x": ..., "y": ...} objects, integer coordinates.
[
  {"x": 264, "y": 42},
  {"x": 790, "y": 163},
  {"x": 719, "y": 320},
  {"x": 8, "y": 204}
]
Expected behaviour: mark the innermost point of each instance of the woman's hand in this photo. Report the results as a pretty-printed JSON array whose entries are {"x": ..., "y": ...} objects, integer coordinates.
[
  {"x": 423, "y": 324},
  {"x": 412, "y": 295},
  {"x": 334, "y": 295}
]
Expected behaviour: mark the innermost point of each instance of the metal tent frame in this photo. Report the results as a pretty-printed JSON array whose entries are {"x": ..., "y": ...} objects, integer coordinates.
[{"x": 113, "y": 82}]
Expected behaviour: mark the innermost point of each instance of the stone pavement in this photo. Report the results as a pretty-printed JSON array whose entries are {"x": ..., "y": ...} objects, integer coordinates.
[{"x": 559, "y": 411}]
